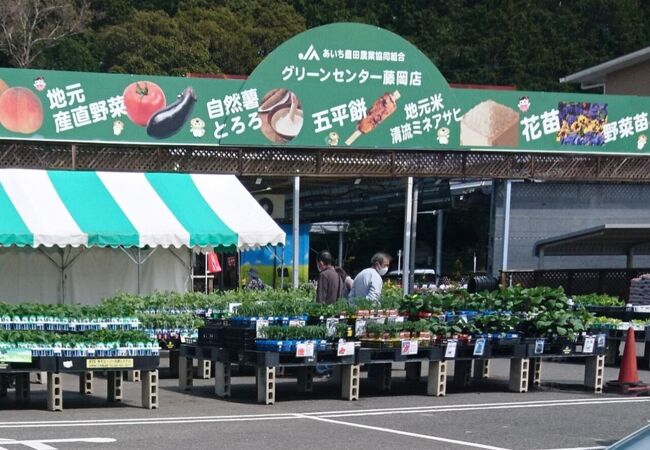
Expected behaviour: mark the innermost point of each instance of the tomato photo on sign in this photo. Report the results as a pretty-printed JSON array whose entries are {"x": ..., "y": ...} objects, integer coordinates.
[{"x": 142, "y": 100}]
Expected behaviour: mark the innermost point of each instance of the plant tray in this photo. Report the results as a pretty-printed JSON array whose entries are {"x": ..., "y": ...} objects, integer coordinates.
[{"x": 39, "y": 363}]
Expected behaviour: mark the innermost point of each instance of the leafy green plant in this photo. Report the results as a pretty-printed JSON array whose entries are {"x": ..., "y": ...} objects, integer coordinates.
[
  {"x": 598, "y": 300},
  {"x": 496, "y": 323},
  {"x": 555, "y": 323}
]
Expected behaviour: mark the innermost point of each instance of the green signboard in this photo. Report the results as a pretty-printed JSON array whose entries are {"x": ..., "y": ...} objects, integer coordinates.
[{"x": 340, "y": 85}]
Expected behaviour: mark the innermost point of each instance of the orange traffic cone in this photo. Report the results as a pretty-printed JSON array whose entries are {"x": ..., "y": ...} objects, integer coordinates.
[{"x": 628, "y": 377}]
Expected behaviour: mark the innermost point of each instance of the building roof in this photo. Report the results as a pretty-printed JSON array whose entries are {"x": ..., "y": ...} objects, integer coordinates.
[
  {"x": 607, "y": 239},
  {"x": 597, "y": 74}
]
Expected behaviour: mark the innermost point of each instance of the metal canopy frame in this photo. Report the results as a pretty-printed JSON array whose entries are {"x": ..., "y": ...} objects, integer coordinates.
[
  {"x": 326, "y": 162},
  {"x": 606, "y": 239}
]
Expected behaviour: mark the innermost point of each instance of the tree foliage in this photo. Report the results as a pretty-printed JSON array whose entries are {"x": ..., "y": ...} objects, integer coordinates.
[
  {"x": 525, "y": 43},
  {"x": 29, "y": 27}
]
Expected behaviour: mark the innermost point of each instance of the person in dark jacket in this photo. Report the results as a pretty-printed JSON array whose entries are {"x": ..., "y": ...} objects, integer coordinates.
[{"x": 329, "y": 282}]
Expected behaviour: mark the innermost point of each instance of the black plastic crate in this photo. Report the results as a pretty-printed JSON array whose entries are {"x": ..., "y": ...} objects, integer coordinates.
[{"x": 211, "y": 335}]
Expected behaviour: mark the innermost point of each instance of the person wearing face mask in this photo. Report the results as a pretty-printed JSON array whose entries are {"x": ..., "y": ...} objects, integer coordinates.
[
  {"x": 329, "y": 282},
  {"x": 368, "y": 283}
]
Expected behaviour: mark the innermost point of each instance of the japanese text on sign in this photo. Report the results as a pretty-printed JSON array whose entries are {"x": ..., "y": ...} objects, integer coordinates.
[
  {"x": 81, "y": 115},
  {"x": 385, "y": 77},
  {"x": 235, "y": 103}
]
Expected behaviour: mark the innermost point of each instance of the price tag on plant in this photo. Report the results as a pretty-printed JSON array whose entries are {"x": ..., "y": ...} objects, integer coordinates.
[
  {"x": 539, "y": 346},
  {"x": 305, "y": 350},
  {"x": 406, "y": 347},
  {"x": 450, "y": 351},
  {"x": 345, "y": 349},
  {"x": 479, "y": 347},
  {"x": 588, "y": 346},
  {"x": 331, "y": 326},
  {"x": 359, "y": 327},
  {"x": 601, "y": 340},
  {"x": 259, "y": 324}
]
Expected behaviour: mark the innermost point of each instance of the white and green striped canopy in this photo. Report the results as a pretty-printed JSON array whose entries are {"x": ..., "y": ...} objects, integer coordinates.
[{"x": 68, "y": 208}]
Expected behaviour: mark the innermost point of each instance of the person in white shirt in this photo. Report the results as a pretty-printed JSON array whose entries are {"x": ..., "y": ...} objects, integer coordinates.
[{"x": 368, "y": 283}]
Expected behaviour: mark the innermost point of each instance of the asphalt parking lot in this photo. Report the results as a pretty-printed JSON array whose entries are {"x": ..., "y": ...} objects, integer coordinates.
[{"x": 559, "y": 415}]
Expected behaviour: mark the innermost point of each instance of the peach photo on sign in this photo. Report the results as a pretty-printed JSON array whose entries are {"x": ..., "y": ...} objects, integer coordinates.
[{"x": 281, "y": 115}]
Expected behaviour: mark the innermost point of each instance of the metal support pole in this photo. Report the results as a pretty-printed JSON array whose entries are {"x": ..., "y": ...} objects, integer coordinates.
[
  {"x": 414, "y": 227},
  {"x": 205, "y": 272},
  {"x": 139, "y": 263},
  {"x": 62, "y": 297},
  {"x": 340, "y": 248},
  {"x": 506, "y": 225},
  {"x": 407, "y": 235},
  {"x": 296, "y": 230},
  {"x": 439, "y": 227},
  {"x": 629, "y": 261}
]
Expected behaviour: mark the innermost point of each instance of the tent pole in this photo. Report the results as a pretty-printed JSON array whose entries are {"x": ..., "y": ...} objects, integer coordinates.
[
  {"x": 296, "y": 230},
  {"x": 139, "y": 262},
  {"x": 62, "y": 267},
  {"x": 407, "y": 235},
  {"x": 275, "y": 266},
  {"x": 282, "y": 270},
  {"x": 205, "y": 257},
  {"x": 340, "y": 248}
]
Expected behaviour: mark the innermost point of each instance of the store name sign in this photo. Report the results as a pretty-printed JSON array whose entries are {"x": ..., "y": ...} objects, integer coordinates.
[{"x": 338, "y": 86}]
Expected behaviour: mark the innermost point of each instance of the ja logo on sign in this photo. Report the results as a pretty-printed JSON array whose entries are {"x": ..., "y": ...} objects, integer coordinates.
[{"x": 310, "y": 54}]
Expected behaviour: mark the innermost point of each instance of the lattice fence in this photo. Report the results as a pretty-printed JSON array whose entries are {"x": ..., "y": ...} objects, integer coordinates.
[
  {"x": 335, "y": 162},
  {"x": 577, "y": 281}
]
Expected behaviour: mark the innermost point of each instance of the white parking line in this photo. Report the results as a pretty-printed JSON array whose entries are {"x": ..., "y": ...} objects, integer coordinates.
[
  {"x": 325, "y": 414},
  {"x": 403, "y": 433},
  {"x": 481, "y": 408},
  {"x": 578, "y": 448},
  {"x": 43, "y": 444}
]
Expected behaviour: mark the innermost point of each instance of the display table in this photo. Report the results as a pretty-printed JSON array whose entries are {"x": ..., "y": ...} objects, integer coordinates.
[
  {"x": 85, "y": 367},
  {"x": 470, "y": 359}
]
